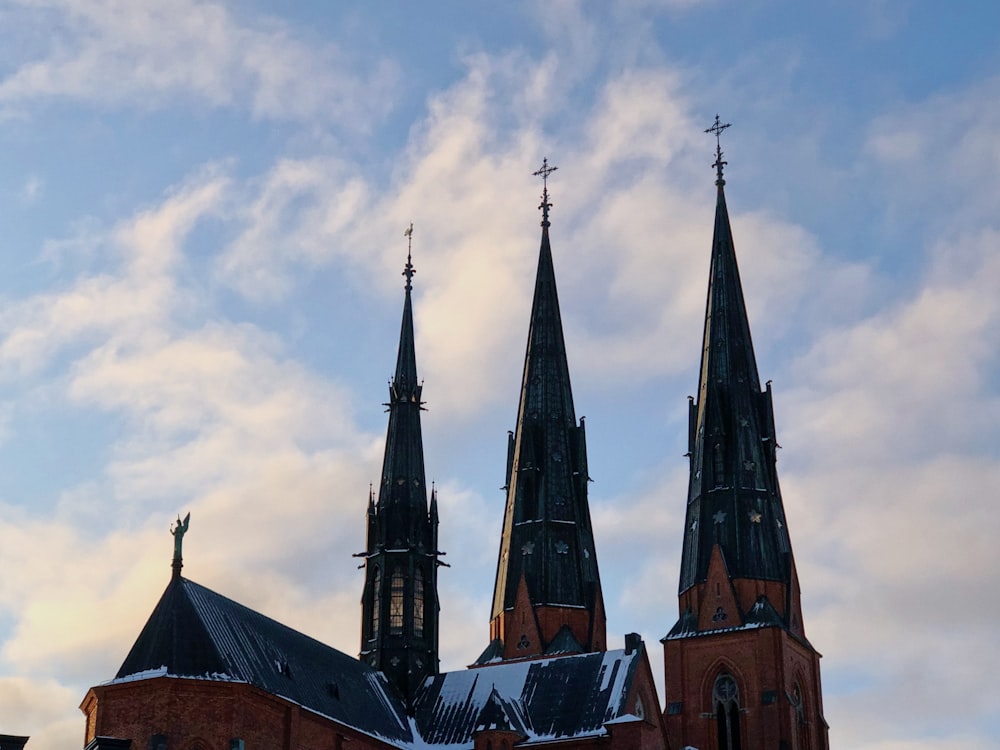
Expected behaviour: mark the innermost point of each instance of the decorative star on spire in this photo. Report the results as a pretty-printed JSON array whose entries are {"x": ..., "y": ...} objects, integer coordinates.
[
  {"x": 544, "y": 173},
  {"x": 716, "y": 130},
  {"x": 409, "y": 270}
]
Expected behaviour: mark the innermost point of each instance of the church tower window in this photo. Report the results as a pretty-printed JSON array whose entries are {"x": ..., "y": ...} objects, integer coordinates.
[
  {"x": 726, "y": 701},
  {"x": 418, "y": 604},
  {"x": 396, "y": 603},
  {"x": 376, "y": 600}
]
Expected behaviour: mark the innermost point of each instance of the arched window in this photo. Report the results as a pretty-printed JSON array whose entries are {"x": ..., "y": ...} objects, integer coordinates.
[
  {"x": 396, "y": 603},
  {"x": 801, "y": 728},
  {"x": 726, "y": 702},
  {"x": 376, "y": 600},
  {"x": 418, "y": 604}
]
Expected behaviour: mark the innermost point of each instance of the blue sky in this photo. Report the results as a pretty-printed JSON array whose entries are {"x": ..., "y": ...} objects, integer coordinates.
[{"x": 202, "y": 209}]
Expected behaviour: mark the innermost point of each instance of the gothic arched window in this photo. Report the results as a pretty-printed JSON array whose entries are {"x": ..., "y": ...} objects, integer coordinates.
[
  {"x": 726, "y": 702},
  {"x": 376, "y": 600},
  {"x": 418, "y": 604},
  {"x": 396, "y": 602},
  {"x": 799, "y": 704}
]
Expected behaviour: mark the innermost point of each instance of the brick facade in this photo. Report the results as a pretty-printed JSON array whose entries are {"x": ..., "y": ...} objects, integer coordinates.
[
  {"x": 193, "y": 714},
  {"x": 773, "y": 671}
]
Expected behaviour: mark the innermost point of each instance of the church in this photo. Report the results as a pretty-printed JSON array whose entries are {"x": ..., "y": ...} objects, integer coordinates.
[{"x": 207, "y": 673}]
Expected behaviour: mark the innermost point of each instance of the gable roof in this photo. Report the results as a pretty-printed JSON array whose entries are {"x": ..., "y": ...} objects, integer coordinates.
[
  {"x": 195, "y": 632},
  {"x": 545, "y": 699}
]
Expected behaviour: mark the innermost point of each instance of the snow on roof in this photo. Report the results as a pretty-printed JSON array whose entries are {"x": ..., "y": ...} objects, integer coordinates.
[{"x": 560, "y": 697}]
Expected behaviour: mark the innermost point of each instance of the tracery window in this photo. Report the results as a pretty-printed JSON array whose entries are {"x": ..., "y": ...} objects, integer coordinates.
[
  {"x": 726, "y": 700},
  {"x": 418, "y": 604},
  {"x": 396, "y": 603}
]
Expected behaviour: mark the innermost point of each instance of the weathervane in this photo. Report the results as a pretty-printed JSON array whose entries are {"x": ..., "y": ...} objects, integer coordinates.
[
  {"x": 409, "y": 270},
  {"x": 544, "y": 173},
  {"x": 717, "y": 129}
]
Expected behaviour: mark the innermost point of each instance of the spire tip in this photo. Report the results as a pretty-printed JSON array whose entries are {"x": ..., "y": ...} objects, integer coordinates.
[
  {"x": 408, "y": 269},
  {"x": 717, "y": 127},
  {"x": 544, "y": 173}
]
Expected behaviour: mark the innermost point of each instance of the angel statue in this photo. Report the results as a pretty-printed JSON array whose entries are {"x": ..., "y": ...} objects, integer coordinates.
[{"x": 179, "y": 530}]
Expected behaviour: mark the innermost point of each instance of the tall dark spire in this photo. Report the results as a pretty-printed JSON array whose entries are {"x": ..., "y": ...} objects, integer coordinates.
[
  {"x": 547, "y": 579},
  {"x": 739, "y": 599},
  {"x": 399, "y": 632},
  {"x": 734, "y": 500}
]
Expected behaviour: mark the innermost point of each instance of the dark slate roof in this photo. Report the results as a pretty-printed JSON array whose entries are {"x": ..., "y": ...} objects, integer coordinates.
[
  {"x": 564, "y": 643},
  {"x": 686, "y": 624},
  {"x": 733, "y": 495},
  {"x": 12, "y": 741},
  {"x": 761, "y": 615},
  {"x": 493, "y": 652},
  {"x": 195, "y": 632},
  {"x": 545, "y": 699},
  {"x": 502, "y": 714},
  {"x": 764, "y": 614},
  {"x": 547, "y": 535}
]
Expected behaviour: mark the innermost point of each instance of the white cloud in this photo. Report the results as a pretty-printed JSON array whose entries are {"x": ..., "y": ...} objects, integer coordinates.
[
  {"x": 889, "y": 417},
  {"x": 121, "y": 53},
  {"x": 940, "y": 158},
  {"x": 116, "y": 304}
]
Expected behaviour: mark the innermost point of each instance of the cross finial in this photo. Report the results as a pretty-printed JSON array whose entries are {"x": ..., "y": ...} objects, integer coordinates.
[
  {"x": 716, "y": 130},
  {"x": 544, "y": 173},
  {"x": 408, "y": 269}
]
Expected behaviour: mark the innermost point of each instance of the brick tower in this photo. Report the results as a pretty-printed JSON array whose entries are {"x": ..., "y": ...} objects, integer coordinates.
[
  {"x": 547, "y": 597},
  {"x": 740, "y": 673},
  {"x": 399, "y": 625}
]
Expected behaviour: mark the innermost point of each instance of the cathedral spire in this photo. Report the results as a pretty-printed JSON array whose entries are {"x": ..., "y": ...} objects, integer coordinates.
[
  {"x": 399, "y": 632},
  {"x": 547, "y": 580},
  {"x": 733, "y": 499},
  {"x": 739, "y": 593}
]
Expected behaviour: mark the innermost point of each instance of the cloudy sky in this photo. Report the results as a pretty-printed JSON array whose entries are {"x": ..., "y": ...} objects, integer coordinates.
[{"x": 201, "y": 232}]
